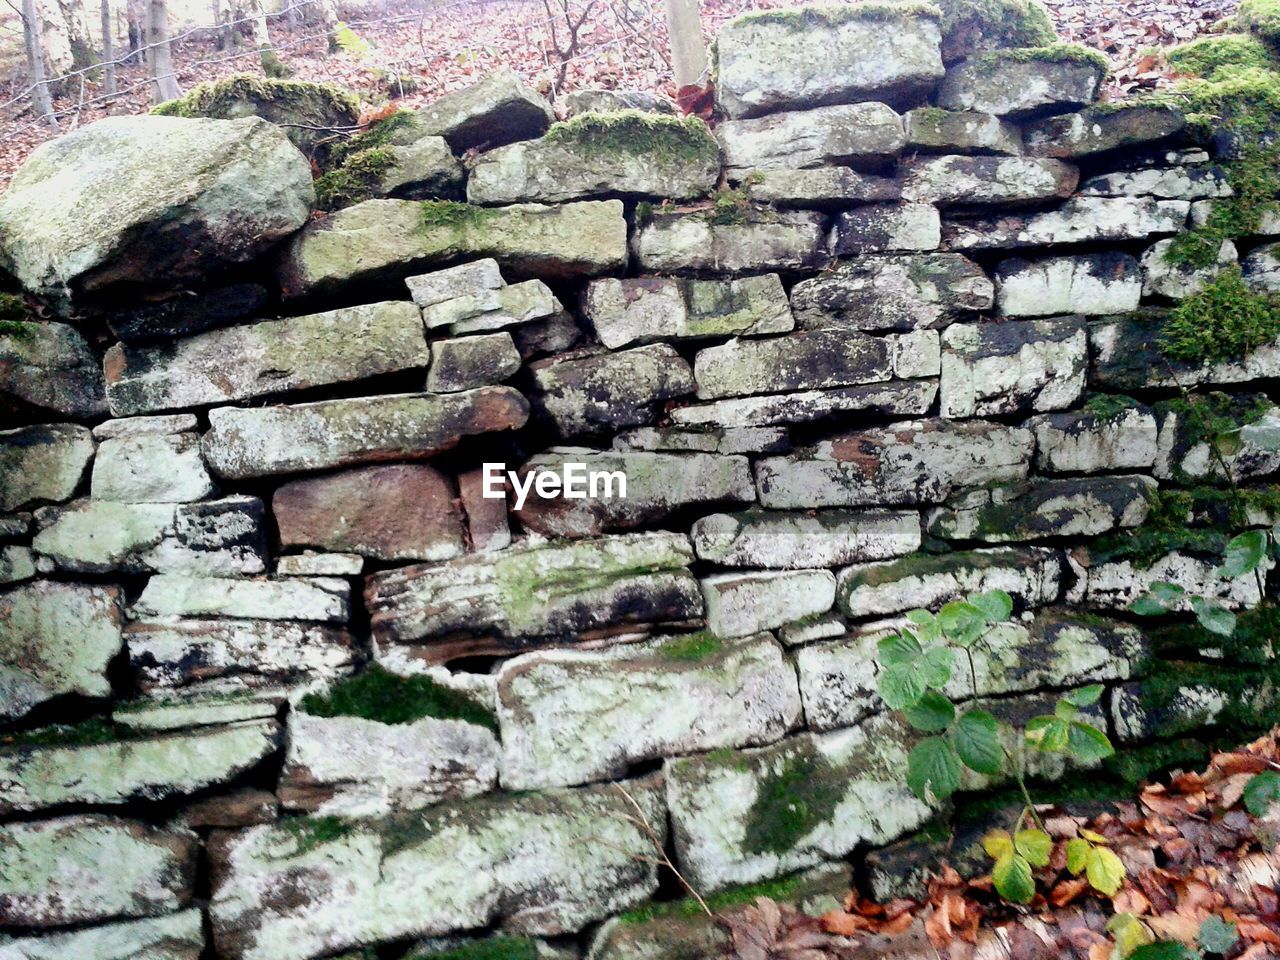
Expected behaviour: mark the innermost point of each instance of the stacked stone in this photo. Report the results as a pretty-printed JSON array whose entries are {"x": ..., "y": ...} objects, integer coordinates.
[{"x": 887, "y": 365}]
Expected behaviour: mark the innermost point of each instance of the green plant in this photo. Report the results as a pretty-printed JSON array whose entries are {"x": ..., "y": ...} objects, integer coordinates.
[
  {"x": 1225, "y": 320},
  {"x": 378, "y": 694},
  {"x": 1262, "y": 791},
  {"x": 916, "y": 666}
]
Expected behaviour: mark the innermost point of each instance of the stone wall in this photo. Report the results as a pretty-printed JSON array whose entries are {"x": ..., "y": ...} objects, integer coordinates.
[{"x": 279, "y": 681}]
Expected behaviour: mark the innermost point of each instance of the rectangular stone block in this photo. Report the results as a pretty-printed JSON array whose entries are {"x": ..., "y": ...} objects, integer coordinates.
[
  {"x": 753, "y": 240},
  {"x": 42, "y": 464},
  {"x": 151, "y": 468},
  {"x": 886, "y": 228},
  {"x": 1079, "y": 220},
  {"x": 324, "y": 600},
  {"x": 178, "y": 936},
  {"x": 918, "y": 461},
  {"x": 573, "y": 717},
  {"x": 214, "y": 538},
  {"x": 835, "y": 135},
  {"x": 1012, "y": 367},
  {"x": 908, "y": 398},
  {"x": 262, "y": 441},
  {"x": 825, "y": 538},
  {"x": 809, "y": 360},
  {"x": 970, "y": 181},
  {"x": 742, "y": 603},
  {"x": 265, "y": 358},
  {"x": 1096, "y": 440},
  {"x": 514, "y": 860},
  {"x": 1089, "y": 284}
]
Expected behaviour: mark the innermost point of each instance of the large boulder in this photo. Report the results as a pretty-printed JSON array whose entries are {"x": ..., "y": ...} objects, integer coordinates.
[
  {"x": 815, "y": 55},
  {"x": 149, "y": 201}
]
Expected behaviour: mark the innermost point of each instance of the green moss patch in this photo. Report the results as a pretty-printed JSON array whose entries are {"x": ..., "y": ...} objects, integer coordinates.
[
  {"x": 222, "y": 99},
  {"x": 89, "y": 733},
  {"x": 792, "y": 798},
  {"x": 638, "y": 134},
  {"x": 1206, "y": 56},
  {"x": 13, "y": 310},
  {"x": 1260, "y": 16},
  {"x": 781, "y": 890},
  {"x": 312, "y": 832},
  {"x": 1108, "y": 405},
  {"x": 1224, "y": 321},
  {"x": 1134, "y": 765},
  {"x": 357, "y": 179},
  {"x": 435, "y": 215},
  {"x": 377, "y": 694},
  {"x": 804, "y": 17},
  {"x": 998, "y": 23},
  {"x": 1249, "y": 697},
  {"x": 1050, "y": 53},
  {"x": 692, "y": 648}
]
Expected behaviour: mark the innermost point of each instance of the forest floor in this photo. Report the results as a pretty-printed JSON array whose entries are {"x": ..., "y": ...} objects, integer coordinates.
[{"x": 415, "y": 51}]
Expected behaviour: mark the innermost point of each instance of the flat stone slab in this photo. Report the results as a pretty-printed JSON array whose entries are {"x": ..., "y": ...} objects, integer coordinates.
[
  {"x": 919, "y": 461},
  {"x": 725, "y": 440},
  {"x": 230, "y": 655},
  {"x": 842, "y": 134},
  {"x": 656, "y": 485},
  {"x": 905, "y": 398},
  {"x": 1079, "y": 220},
  {"x": 630, "y": 154},
  {"x": 1012, "y": 367},
  {"x": 120, "y": 771},
  {"x": 1095, "y": 131},
  {"x": 386, "y": 239},
  {"x": 808, "y": 360},
  {"x": 570, "y": 717},
  {"x": 516, "y": 861},
  {"x": 56, "y": 639},
  {"x": 1186, "y": 456},
  {"x": 539, "y": 590},
  {"x": 1175, "y": 281},
  {"x": 1124, "y": 356},
  {"x": 151, "y": 468},
  {"x": 42, "y": 464},
  {"x": 50, "y": 879},
  {"x": 1055, "y": 649},
  {"x": 645, "y": 310},
  {"x": 933, "y": 130},
  {"x": 818, "y": 187},
  {"x": 363, "y": 511},
  {"x": 740, "y": 604},
  {"x": 178, "y": 936},
  {"x": 969, "y": 181},
  {"x": 49, "y": 367},
  {"x": 350, "y": 766},
  {"x": 215, "y": 538},
  {"x": 592, "y": 393},
  {"x": 824, "y": 538},
  {"x": 1092, "y": 441},
  {"x": 1167, "y": 183},
  {"x": 270, "y": 357},
  {"x": 1009, "y": 84},
  {"x": 756, "y": 240},
  {"x": 769, "y": 61},
  {"x": 847, "y": 788},
  {"x": 465, "y": 363},
  {"x": 1031, "y": 575},
  {"x": 886, "y": 228},
  {"x": 262, "y": 441},
  {"x": 323, "y": 600},
  {"x": 129, "y": 427},
  {"x": 1083, "y": 507},
  {"x": 892, "y": 293},
  {"x": 1089, "y": 284}
]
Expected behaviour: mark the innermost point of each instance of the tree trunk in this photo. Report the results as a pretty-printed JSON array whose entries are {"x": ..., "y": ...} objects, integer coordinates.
[
  {"x": 136, "y": 17},
  {"x": 108, "y": 49},
  {"x": 684, "y": 32},
  {"x": 50, "y": 25},
  {"x": 35, "y": 64},
  {"x": 164, "y": 84}
]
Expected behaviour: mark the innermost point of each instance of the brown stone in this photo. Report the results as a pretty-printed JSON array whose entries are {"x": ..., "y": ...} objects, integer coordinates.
[
  {"x": 242, "y": 808},
  {"x": 487, "y": 523},
  {"x": 392, "y": 512}
]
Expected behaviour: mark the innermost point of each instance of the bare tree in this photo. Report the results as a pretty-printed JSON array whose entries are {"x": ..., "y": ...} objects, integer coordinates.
[
  {"x": 35, "y": 64},
  {"x": 688, "y": 52},
  {"x": 164, "y": 84},
  {"x": 108, "y": 49}
]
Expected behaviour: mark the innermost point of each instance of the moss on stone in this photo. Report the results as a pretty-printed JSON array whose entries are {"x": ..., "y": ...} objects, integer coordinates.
[
  {"x": 490, "y": 948},
  {"x": 638, "y": 134},
  {"x": 311, "y": 832},
  {"x": 13, "y": 310},
  {"x": 1166, "y": 529},
  {"x": 1000, "y": 23},
  {"x": 1260, "y": 16},
  {"x": 1072, "y": 789},
  {"x": 453, "y": 215},
  {"x": 795, "y": 795},
  {"x": 1224, "y": 321},
  {"x": 804, "y": 17},
  {"x": 1135, "y": 765},
  {"x": 1206, "y": 56},
  {"x": 355, "y": 180},
  {"x": 1255, "y": 184},
  {"x": 691, "y": 648},
  {"x": 95, "y": 730},
  {"x": 780, "y": 890},
  {"x": 397, "y": 129},
  {"x": 377, "y": 694},
  {"x": 730, "y": 207},
  {"x": 1251, "y": 642},
  {"x": 1050, "y": 53},
  {"x": 1248, "y": 697},
  {"x": 1105, "y": 406},
  {"x": 220, "y": 98}
]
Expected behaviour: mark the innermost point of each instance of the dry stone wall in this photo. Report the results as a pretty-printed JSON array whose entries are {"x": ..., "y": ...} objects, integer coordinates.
[{"x": 281, "y": 681}]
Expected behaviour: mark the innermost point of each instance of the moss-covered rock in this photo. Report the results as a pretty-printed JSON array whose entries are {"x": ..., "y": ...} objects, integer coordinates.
[
  {"x": 976, "y": 26},
  {"x": 1027, "y": 82},
  {"x": 312, "y": 115},
  {"x": 1262, "y": 17}
]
